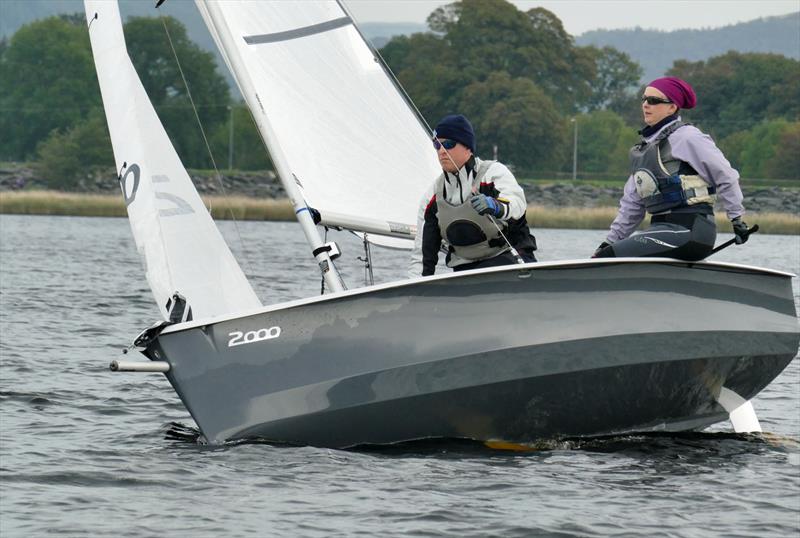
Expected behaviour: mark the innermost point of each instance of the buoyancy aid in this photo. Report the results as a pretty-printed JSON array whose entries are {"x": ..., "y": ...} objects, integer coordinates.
[
  {"x": 471, "y": 236},
  {"x": 664, "y": 182}
]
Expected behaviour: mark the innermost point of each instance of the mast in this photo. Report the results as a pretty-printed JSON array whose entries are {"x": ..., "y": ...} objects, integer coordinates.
[{"x": 320, "y": 251}]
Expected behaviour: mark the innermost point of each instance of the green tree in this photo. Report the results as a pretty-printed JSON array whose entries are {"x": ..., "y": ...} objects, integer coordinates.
[
  {"x": 604, "y": 140},
  {"x": 249, "y": 152},
  {"x": 733, "y": 146},
  {"x": 786, "y": 162},
  {"x": 616, "y": 79},
  {"x": 48, "y": 86},
  {"x": 761, "y": 148},
  {"x": 152, "y": 56},
  {"x": 47, "y": 82},
  {"x": 770, "y": 150},
  {"x": 564, "y": 71},
  {"x": 736, "y": 91},
  {"x": 65, "y": 156},
  {"x": 488, "y": 36},
  {"x": 427, "y": 68},
  {"x": 619, "y": 162},
  {"x": 517, "y": 117},
  {"x": 477, "y": 43},
  {"x": 785, "y": 97}
]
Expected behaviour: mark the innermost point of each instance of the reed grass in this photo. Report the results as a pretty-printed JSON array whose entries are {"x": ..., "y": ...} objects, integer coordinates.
[
  {"x": 243, "y": 208},
  {"x": 592, "y": 218},
  {"x": 61, "y": 203},
  {"x": 107, "y": 205}
]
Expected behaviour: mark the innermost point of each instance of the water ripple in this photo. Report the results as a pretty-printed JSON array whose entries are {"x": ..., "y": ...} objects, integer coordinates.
[{"x": 86, "y": 452}]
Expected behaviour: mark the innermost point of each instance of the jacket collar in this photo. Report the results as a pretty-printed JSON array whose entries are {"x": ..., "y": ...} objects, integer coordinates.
[{"x": 649, "y": 131}]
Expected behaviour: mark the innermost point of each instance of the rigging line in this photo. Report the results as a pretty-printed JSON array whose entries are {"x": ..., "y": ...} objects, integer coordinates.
[
  {"x": 322, "y": 279},
  {"x": 369, "y": 277},
  {"x": 423, "y": 122},
  {"x": 510, "y": 246},
  {"x": 208, "y": 147},
  {"x": 388, "y": 70}
]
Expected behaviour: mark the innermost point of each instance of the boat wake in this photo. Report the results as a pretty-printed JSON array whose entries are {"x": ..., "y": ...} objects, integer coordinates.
[
  {"x": 644, "y": 442},
  {"x": 175, "y": 431},
  {"x": 650, "y": 442}
]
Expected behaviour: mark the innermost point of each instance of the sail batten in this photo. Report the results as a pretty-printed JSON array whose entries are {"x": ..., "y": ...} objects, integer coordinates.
[
  {"x": 298, "y": 33},
  {"x": 343, "y": 129},
  {"x": 182, "y": 250}
]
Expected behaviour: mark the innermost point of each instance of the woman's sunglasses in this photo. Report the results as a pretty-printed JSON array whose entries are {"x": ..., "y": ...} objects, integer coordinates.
[
  {"x": 446, "y": 144},
  {"x": 651, "y": 100}
]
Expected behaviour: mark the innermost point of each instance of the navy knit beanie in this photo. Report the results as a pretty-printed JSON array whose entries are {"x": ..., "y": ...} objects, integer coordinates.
[{"x": 456, "y": 127}]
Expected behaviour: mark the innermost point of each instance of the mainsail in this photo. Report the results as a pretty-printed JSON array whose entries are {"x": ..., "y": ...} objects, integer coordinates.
[
  {"x": 182, "y": 249},
  {"x": 350, "y": 140}
]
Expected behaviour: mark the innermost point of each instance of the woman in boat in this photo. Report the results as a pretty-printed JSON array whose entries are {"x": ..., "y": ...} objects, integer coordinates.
[
  {"x": 676, "y": 174},
  {"x": 475, "y": 209}
]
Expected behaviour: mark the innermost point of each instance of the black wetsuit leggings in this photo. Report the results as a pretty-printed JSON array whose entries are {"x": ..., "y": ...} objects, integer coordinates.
[
  {"x": 506, "y": 258},
  {"x": 684, "y": 236}
]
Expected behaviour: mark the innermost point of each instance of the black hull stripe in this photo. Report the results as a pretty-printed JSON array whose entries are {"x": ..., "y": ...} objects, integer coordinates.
[{"x": 298, "y": 32}]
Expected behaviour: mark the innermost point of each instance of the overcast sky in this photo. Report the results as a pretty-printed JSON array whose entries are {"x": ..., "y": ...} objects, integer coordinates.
[{"x": 579, "y": 16}]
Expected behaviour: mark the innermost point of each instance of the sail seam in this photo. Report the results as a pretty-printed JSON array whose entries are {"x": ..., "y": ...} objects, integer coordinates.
[{"x": 298, "y": 32}]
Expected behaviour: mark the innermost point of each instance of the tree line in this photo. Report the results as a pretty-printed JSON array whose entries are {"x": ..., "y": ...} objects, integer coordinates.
[
  {"x": 528, "y": 87},
  {"x": 51, "y": 111},
  {"x": 519, "y": 76}
]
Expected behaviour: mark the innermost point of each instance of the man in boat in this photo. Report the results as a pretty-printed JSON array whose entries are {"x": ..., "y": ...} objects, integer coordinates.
[
  {"x": 677, "y": 172},
  {"x": 474, "y": 210}
]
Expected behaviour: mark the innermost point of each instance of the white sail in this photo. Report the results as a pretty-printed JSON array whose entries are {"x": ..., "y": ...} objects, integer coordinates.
[
  {"x": 182, "y": 249},
  {"x": 350, "y": 140}
]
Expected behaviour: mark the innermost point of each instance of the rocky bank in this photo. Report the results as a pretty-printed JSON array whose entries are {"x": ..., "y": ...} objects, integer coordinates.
[{"x": 264, "y": 184}]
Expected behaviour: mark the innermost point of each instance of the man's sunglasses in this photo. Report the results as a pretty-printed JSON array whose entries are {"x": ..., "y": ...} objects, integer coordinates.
[
  {"x": 652, "y": 100},
  {"x": 446, "y": 144}
]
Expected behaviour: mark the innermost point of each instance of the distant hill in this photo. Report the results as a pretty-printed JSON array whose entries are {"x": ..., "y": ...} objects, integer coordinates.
[
  {"x": 656, "y": 51},
  {"x": 379, "y": 33},
  {"x": 15, "y": 13}
]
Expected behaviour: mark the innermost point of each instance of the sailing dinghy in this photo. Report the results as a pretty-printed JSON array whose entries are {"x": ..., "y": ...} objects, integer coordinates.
[{"x": 514, "y": 353}]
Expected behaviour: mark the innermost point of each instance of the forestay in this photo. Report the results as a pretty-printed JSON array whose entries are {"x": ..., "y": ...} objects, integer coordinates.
[
  {"x": 182, "y": 249},
  {"x": 349, "y": 138}
]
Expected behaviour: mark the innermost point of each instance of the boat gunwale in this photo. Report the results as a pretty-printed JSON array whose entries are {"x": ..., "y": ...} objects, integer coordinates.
[{"x": 534, "y": 266}]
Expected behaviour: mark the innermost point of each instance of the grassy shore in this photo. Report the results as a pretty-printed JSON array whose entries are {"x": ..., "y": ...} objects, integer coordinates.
[
  {"x": 617, "y": 182},
  {"x": 242, "y": 208}
]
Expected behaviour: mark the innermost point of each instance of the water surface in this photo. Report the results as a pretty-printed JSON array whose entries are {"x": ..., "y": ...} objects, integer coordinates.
[{"x": 86, "y": 452}]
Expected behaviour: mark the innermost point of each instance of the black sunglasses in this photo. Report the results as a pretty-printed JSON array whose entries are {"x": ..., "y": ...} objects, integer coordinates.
[
  {"x": 446, "y": 144},
  {"x": 652, "y": 100}
]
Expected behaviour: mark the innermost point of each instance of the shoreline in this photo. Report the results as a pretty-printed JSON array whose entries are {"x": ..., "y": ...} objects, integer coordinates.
[{"x": 55, "y": 203}]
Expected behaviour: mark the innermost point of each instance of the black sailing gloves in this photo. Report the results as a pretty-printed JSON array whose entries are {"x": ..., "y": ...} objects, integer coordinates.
[
  {"x": 740, "y": 230},
  {"x": 597, "y": 251},
  {"x": 486, "y": 205}
]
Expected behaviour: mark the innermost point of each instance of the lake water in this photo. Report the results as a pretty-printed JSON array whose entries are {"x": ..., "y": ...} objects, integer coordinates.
[{"x": 87, "y": 452}]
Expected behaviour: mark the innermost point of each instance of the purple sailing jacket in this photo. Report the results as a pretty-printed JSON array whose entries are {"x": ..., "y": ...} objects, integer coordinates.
[{"x": 691, "y": 145}]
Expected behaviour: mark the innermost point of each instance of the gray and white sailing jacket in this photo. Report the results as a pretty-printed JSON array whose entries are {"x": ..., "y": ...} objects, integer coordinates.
[
  {"x": 452, "y": 193},
  {"x": 689, "y": 149}
]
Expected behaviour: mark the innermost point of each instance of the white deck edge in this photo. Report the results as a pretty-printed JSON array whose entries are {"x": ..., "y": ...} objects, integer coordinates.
[{"x": 534, "y": 266}]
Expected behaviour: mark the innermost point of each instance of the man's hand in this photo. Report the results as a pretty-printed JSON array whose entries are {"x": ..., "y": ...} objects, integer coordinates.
[
  {"x": 740, "y": 230},
  {"x": 486, "y": 205}
]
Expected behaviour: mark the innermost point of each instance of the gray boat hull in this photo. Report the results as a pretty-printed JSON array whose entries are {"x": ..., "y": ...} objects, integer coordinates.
[{"x": 513, "y": 353}]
